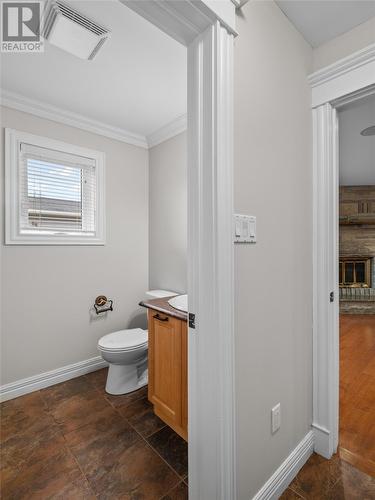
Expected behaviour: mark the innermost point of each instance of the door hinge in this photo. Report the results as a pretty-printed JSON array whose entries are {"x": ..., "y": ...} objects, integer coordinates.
[
  {"x": 191, "y": 320},
  {"x": 332, "y": 297}
]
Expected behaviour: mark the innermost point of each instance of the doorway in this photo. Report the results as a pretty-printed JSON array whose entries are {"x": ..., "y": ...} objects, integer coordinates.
[
  {"x": 208, "y": 33},
  {"x": 344, "y": 82},
  {"x": 356, "y": 133}
]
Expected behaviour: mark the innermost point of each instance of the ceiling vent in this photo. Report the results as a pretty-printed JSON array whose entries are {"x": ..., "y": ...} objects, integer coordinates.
[{"x": 71, "y": 31}]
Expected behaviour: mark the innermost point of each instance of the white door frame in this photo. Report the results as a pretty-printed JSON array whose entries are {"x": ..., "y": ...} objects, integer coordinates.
[
  {"x": 207, "y": 29},
  {"x": 342, "y": 82}
]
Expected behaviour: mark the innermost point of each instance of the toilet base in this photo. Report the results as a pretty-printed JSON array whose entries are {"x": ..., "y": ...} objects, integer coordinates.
[{"x": 122, "y": 379}]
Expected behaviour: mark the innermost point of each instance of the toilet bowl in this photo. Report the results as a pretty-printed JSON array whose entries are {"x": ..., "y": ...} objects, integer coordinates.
[{"x": 126, "y": 354}]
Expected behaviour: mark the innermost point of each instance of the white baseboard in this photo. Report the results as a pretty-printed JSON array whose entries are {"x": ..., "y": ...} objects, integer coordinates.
[
  {"x": 42, "y": 380},
  {"x": 322, "y": 441},
  {"x": 287, "y": 471}
]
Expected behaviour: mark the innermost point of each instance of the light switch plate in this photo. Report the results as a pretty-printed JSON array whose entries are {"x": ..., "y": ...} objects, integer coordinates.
[{"x": 244, "y": 228}]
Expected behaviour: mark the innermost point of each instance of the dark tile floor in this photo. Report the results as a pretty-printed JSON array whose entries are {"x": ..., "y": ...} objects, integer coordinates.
[{"x": 74, "y": 441}]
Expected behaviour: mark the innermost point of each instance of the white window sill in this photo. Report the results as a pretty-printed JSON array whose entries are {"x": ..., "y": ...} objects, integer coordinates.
[{"x": 53, "y": 239}]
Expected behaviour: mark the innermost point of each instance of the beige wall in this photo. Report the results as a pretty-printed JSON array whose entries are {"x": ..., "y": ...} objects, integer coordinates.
[
  {"x": 273, "y": 279},
  {"x": 359, "y": 37},
  {"x": 47, "y": 292},
  {"x": 168, "y": 215}
]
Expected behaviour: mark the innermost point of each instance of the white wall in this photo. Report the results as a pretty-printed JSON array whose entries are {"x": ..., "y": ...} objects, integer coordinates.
[
  {"x": 168, "y": 215},
  {"x": 47, "y": 292},
  {"x": 273, "y": 279},
  {"x": 358, "y": 38}
]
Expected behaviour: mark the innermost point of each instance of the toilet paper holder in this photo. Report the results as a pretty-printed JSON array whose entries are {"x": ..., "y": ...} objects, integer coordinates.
[{"x": 102, "y": 304}]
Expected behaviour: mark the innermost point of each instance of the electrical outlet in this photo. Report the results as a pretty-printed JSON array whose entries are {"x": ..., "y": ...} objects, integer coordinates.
[{"x": 276, "y": 418}]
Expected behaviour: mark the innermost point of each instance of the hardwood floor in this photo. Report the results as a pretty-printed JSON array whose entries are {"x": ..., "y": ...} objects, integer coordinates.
[
  {"x": 350, "y": 474},
  {"x": 73, "y": 441},
  {"x": 357, "y": 391},
  {"x": 334, "y": 479}
]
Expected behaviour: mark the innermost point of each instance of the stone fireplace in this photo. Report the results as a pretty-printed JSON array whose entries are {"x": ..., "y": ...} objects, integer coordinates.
[{"x": 357, "y": 250}]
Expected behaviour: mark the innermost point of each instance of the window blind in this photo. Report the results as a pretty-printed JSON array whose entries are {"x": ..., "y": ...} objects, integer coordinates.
[{"x": 57, "y": 192}]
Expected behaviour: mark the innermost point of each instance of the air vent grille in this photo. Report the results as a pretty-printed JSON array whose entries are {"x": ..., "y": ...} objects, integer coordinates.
[
  {"x": 80, "y": 19},
  {"x": 96, "y": 50},
  {"x": 55, "y": 10}
]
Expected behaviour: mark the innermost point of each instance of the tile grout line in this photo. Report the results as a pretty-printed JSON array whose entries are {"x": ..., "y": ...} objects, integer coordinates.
[
  {"x": 295, "y": 491},
  {"x": 144, "y": 439},
  {"x": 154, "y": 451},
  {"x": 80, "y": 468},
  {"x": 149, "y": 445},
  {"x": 57, "y": 423},
  {"x": 170, "y": 490},
  {"x": 157, "y": 453},
  {"x": 67, "y": 446},
  {"x": 117, "y": 410}
]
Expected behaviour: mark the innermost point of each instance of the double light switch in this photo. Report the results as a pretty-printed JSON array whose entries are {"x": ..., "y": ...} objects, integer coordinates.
[{"x": 244, "y": 228}]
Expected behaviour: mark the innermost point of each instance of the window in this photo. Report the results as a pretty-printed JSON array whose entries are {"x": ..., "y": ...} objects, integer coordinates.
[
  {"x": 54, "y": 192},
  {"x": 355, "y": 273}
]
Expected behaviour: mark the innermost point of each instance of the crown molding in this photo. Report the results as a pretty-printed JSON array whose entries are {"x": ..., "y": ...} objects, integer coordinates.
[
  {"x": 49, "y": 112},
  {"x": 168, "y": 131},
  {"x": 343, "y": 66}
]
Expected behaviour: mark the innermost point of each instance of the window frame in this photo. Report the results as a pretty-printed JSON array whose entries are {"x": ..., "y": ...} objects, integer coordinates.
[
  {"x": 355, "y": 260},
  {"x": 13, "y": 235}
]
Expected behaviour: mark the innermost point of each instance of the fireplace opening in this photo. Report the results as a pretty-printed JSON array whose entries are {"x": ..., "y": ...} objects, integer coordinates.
[{"x": 355, "y": 272}]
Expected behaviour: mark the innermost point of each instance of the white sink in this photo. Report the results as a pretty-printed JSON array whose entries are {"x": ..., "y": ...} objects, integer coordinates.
[{"x": 179, "y": 302}]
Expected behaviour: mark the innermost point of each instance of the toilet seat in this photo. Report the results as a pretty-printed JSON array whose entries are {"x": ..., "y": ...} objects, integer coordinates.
[{"x": 124, "y": 340}]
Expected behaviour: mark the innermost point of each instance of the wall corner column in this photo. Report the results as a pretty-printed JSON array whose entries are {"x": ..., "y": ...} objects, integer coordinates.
[{"x": 210, "y": 285}]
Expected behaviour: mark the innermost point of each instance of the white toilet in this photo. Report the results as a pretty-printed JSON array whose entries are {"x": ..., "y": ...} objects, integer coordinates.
[{"x": 126, "y": 353}]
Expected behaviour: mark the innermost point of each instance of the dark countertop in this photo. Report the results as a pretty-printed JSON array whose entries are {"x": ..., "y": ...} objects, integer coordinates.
[{"x": 162, "y": 306}]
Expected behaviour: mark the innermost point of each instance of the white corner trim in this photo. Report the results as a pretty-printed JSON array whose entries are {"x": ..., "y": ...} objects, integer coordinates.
[
  {"x": 322, "y": 441},
  {"x": 342, "y": 66},
  {"x": 287, "y": 471},
  {"x": 49, "y": 112},
  {"x": 212, "y": 467},
  {"x": 168, "y": 131},
  {"x": 325, "y": 280},
  {"x": 46, "y": 379}
]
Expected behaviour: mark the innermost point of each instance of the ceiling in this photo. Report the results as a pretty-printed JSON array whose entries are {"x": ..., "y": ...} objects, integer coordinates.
[
  {"x": 357, "y": 153},
  {"x": 319, "y": 21},
  {"x": 137, "y": 82}
]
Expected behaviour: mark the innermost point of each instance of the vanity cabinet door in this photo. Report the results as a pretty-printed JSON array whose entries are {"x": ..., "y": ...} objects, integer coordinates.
[{"x": 167, "y": 386}]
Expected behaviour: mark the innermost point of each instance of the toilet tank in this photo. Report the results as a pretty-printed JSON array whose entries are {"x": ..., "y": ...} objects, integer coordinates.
[{"x": 159, "y": 294}]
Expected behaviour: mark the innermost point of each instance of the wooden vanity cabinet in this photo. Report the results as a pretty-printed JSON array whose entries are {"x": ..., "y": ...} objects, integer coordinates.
[{"x": 167, "y": 369}]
